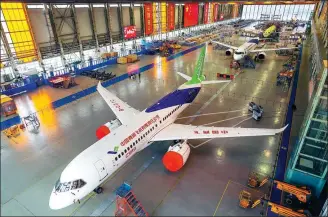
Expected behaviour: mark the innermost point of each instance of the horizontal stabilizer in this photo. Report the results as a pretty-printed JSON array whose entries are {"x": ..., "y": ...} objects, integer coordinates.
[
  {"x": 215, "y": 81},
  {"x": 188, "y": 78}
]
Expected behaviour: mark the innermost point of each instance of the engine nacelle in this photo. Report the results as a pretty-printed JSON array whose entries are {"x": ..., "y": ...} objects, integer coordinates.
[
  {"x": 107, "y": 128},
  {"x": 261, "y": 56},
  {"x": 176, "y": 156},
  {"x": 229, "y": 52}
]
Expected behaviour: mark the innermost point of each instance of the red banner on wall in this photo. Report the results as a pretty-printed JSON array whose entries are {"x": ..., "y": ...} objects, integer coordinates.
[
  {"x": 171, "y": 16},
  {"x": 215, "y": 13},
  {"x": 148, "y": 18},
  {"x": 190, "y": 14},
  {"x": 130, "y": 32},
  {"x": 206, "y": 6}
]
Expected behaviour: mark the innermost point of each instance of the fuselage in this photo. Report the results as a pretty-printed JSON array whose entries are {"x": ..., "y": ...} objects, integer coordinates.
[
  {"x": 243, "y": 50},
  {"x": 95, "y": 164}
]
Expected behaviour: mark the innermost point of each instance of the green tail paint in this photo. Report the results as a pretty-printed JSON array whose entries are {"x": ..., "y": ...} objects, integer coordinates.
[{"x": 198, "y": 76}]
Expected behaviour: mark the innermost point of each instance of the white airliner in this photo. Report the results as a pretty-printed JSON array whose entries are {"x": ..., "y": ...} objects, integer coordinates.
[
  {"x": 240, "y": 52},
  {"x": 137, "y": 130}
]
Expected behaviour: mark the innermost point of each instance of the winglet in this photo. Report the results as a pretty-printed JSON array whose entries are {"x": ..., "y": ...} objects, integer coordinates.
[{"x": 282, "y": 129}]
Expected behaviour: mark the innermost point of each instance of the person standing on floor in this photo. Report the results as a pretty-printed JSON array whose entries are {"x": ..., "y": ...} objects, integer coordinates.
[{"x": 139, "y": 75}]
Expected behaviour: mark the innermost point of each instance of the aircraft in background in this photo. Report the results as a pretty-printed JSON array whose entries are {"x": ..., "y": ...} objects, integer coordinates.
[
  {"x": 247, "y": 48},
  {"x": 137, "y": 130},
  {"x": 272, "y": 29}
]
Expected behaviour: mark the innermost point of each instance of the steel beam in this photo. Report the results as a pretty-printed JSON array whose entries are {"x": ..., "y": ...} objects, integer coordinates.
[
  {"x": 108, "y": 24},
  {"x": 131, "y": 13},
  {"x": 120, "y": 21},
  {"x": 76, "y": 31},
  {"x": 55, "y": 33},
  {"x": 93, "y": 26},
  {"x": 8, "y": 51}
]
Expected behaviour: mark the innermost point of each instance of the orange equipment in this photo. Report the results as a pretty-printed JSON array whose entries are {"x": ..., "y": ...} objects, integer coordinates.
[
  {"x": 12, "y": 131},
  {"x": 284, "y": 211},
  {"x": 127, "y": 203},
  {"x": 245, "y": 200},
  {"x": 256, "y": 180},
  {"x": 303, "y": 194}
]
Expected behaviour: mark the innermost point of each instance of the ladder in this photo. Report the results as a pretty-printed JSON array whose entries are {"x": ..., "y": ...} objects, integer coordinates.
[
  {"x": 127, "y": 203},
  {"x": 33, "y": 120}
]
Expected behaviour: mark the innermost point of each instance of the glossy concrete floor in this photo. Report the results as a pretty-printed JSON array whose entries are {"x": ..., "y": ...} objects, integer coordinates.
[{"x": 209, "y": 183}]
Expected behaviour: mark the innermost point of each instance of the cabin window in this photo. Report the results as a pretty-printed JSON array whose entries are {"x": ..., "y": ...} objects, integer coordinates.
[
  {"x": 119, "y": 156},
  {"x": 131, "y": 145},
  {"x": 155, "y": 125},
  {"x": 116, "y": 158},
  {"x": 125, "y": 151},
  {"x": 122, "y": 153},
  {"x": 128, "y": 148}
]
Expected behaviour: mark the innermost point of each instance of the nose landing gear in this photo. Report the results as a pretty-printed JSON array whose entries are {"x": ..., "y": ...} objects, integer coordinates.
[{"x": 98, "y": 190}]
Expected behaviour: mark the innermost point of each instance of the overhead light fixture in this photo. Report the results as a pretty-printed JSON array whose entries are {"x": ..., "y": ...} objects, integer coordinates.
[
  {"x": 81, "y": 6},
  {"x": 113, "y": 5},
  {"x": 125, "y": 5},
  {"x": 137, "y": 5},
  {"x": 98, "y": 5}
]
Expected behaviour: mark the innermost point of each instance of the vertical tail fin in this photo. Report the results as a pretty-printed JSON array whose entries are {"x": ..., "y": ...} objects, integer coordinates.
[{"x": 198, "y": 76}]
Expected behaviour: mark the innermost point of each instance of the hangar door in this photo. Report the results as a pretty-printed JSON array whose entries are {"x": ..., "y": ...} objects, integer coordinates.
[{"x": 100, "y": 166}]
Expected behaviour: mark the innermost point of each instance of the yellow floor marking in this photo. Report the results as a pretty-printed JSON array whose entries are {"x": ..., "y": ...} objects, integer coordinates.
[
  {"x": 169, "y": 191},
  {"x": 217, "y": 207}
]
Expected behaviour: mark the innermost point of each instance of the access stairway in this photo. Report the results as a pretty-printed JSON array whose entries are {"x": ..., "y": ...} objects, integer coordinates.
[{"x": 127, "y": 203}]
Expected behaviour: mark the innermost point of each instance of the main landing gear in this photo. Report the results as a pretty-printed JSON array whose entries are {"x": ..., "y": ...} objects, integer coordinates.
[{"x": 98, "y": 190}]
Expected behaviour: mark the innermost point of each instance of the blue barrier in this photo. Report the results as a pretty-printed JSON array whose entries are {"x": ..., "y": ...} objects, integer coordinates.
[
  {"x": 26, "y": 88},
  {"x": 10, "y": 122},
  {"x": 90, "y": 90},
  {"x": 283, "y": 151}
]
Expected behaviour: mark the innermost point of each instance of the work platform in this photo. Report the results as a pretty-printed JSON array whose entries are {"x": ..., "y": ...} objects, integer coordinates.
[{"x": 211, "y": 179}]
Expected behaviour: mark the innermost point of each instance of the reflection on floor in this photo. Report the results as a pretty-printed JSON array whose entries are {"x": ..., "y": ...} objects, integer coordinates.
[{"x": 211, "y": 179}]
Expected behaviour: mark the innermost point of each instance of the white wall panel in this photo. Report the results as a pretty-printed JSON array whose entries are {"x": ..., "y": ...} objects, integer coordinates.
[
  {"x": 126, "y": 16},
  {"x": 136, "y": 12},
  {"x": 99, "y": 16},
  {"x": 39, "y": 25},
  {"x": 83, "y": 21},
  {"x": 114, "y": 19}
]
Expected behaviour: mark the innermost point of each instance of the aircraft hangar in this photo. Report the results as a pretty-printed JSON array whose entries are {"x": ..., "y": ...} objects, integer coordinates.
[{"x": 165, "y": 108}]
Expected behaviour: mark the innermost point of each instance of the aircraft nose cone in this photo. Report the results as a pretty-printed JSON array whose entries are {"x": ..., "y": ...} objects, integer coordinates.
[{"x": 57, "y": 201}]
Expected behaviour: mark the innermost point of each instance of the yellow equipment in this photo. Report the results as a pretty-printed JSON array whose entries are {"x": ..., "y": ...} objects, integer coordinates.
[
  {"x": 245, "y": 200},
  {"x": 12, "y": 131},
  {"x": 284, "y": 211},
  {"x": 256, "y": 180},
  {"x": 303, "y": 194},
  {"x": 269, "y": 31}
]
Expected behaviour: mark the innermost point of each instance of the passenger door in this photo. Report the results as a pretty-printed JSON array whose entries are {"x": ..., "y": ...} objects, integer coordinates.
[{"x": 102, "y": 171}]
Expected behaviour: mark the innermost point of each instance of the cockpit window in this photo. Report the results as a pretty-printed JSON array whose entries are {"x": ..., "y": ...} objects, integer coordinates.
[
  {"x": 238, "y": 53},
  {"x": 66, "y": 186}
]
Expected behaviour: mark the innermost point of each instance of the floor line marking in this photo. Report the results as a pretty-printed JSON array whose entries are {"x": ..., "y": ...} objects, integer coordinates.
[
  {"x": 169, "y": 191},
  {"x": 110, "y": 200},
  {"x": 209, "y": 101},
  {"x": 219, "y": 203}
]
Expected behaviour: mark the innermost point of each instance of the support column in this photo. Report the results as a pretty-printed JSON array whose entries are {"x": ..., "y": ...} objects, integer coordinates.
[
  {"x": 93, "y": 26},
  {"x": 108, "y": 24},
  {"x": 77, "y": 32},
  {"x": 120, "y": 21},
  {"x": 8, "y": 51},
  {"x": 142, "y": 20},
  {"x": 131, "y": 12},
  {"x": 55, "y": 33}
]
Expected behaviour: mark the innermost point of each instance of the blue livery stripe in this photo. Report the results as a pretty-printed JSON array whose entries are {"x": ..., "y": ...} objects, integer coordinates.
[
  {"x": 175, "y": 98},
  {"x": 112, "y": 152},
  {"x": 254, "y": 40}
]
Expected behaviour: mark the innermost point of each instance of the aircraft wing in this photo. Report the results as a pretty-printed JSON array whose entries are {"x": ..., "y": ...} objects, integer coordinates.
[
  {"x": 273, "y": 49},
  {"x": 181, "y": 132},
  {"x": 226, "y": 45},
  {"x": 123, "y": 111}
]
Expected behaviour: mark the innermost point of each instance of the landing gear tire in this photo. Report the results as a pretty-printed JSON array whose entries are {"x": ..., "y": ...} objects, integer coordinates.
[{"x": 98, "y": 190}]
